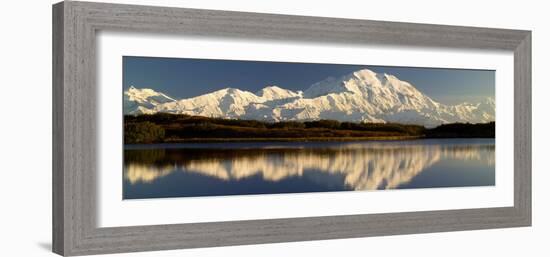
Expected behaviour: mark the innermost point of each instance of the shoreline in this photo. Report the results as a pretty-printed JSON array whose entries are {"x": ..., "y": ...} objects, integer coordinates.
[
  {"x": 290, "y": 139},
  {"x": 309, "y": 139}
]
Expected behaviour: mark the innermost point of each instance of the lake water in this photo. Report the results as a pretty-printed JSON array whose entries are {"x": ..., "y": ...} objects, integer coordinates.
[{"x": 216, "y": 169}]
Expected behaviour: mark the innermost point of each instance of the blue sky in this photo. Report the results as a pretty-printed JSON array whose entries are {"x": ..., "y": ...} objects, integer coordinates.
[{"x": 184, "y": 78}]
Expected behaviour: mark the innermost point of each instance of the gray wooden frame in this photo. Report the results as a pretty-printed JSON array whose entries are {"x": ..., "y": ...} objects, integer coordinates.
[{"x": 74, "y": 128}]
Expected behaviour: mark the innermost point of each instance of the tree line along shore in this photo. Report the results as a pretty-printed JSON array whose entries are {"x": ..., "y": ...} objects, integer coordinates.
[{"x": 180, "y": 128}]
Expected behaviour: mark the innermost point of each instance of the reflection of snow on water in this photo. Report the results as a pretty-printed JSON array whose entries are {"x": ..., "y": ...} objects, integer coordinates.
[{"x": 364, "y": 166}]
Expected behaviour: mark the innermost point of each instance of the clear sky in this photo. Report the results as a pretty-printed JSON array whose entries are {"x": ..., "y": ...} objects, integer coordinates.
[{"x": 184, "y": 78}]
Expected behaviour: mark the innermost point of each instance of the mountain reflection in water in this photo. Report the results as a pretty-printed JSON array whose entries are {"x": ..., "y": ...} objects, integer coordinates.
[{"x": 359, "y": 166}]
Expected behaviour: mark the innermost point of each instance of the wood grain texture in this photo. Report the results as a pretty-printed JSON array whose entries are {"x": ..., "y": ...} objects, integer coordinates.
[
  {"x": 522, "y": 128},
  {"x": 58, "y": 192},
  {"x": 75, "y": 25}
]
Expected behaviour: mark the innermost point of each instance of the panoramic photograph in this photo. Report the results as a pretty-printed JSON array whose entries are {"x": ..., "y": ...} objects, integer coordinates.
[{"x": 206, "y": 127}]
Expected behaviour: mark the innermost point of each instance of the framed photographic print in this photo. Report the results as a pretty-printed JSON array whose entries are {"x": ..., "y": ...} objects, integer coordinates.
[{"x": 182, "y": 128}]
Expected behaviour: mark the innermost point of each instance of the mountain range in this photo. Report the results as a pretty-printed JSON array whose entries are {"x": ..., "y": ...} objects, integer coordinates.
[{"x": 361, "y": 96}]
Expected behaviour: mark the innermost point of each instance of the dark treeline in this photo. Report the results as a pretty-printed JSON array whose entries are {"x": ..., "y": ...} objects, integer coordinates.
[
  {"x": 163, "y": 127},
  {"x": 462, "y": 130}
]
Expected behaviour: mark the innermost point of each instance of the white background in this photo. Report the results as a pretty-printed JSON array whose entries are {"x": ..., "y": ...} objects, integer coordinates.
[{"x": 25, "y": 218}]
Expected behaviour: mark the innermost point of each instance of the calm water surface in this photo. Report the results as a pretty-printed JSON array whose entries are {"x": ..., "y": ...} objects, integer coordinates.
[{"x": 215, "y": 169}]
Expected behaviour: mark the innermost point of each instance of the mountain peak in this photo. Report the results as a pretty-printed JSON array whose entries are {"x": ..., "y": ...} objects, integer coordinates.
[
  {"x": 233, "y": 90},
  {"x": 360, "y": 82},
  {"x": 141, "y": 92},
  {"x": 141, "y": 100},
  {"x": 371, "y": 77},
  {"x": 364, "y": 73},
  {"x": 275, "y": 93},
  {"x": 227, "y": 90},
  {"x": 273, "y": 87}
]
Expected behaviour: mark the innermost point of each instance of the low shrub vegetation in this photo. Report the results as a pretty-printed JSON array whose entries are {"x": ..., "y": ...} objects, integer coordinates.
[{"x": 143, "y": 132}]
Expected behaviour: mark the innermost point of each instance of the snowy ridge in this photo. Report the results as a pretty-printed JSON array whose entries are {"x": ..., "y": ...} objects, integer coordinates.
[
  {"x": 362, "y": 96},
  {"x": 142, "y": 101}
]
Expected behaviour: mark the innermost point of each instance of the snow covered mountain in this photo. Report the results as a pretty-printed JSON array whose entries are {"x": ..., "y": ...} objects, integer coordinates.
[
  {"x": 362, "y": 96},
  {"x": 142, "y": 101},
  {"x": 276, "y": 93}
]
